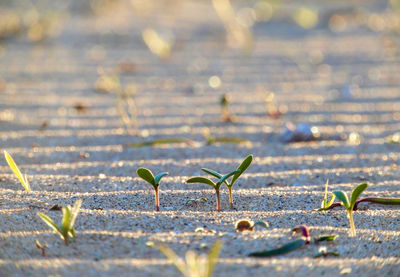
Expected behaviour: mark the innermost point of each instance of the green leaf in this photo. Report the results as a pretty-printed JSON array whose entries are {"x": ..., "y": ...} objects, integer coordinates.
[
  {"x": 161, "y": 141},
  {"x": 280, "y": 250},
  {"x": 212, "y": 257},
  {"x": 50, "y": 222},
  {"x": 262, "y": 224},
  {"x": 74, "y": 212},
  {"x": 356, "y": 193},
  {"x": 242, "y": 168},
  {"x": 330, "y": 201},
  {"x": 172, "y": 257},
  {"x": 326, "y": 238},
  {"x": 66, "y": 220},
  {"x": 382, "y": 200},
  {"x": 157, "y": 179},
  {"x": 17, "y": 172},
  {"x": 146, "y": 175},
  {"x": 212, "y": 140},
  {"x": 212, "y": 172},
  {"x": 71, "y": 233},
  {"x": 342, "y": 196},
  {"x": 202, "y": 180},
  {"x": 223, "y": 178}
]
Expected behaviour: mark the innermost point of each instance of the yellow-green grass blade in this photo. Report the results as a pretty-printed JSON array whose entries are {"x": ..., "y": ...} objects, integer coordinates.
[{"x": 23, "y": 179}]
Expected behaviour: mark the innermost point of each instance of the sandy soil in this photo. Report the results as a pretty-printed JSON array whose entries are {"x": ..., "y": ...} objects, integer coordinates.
[{"x": 341, "y": 82}]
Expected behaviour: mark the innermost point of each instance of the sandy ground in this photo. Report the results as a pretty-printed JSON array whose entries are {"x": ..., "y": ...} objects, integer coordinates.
[{"x": 341, "y": 82}]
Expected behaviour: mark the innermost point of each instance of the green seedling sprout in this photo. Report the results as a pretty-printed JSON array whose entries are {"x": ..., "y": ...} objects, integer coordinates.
[
  {"x": 194, "y": 265},
  {"x": 293, "y": 245},
  {"x": 241, "y": 168},
  {"x": 22, "y": 178},
  {"x": 42, "y": 247},
  {"x": 125, "y": 99},
  {"x": 326, "y": 238},
  {"x": 216, "y": 185},
  {"x": 374, "y": 200},
  {"x": 196, "y": 202},
  {"x": 349, "y": 205},
  {"x": 148, "y": 176},
  {"x": 66, "y": 229},
  {"x": 324, "y": 203}
]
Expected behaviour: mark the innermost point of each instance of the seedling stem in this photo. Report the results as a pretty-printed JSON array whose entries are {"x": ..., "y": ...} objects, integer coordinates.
[
  {"x": 349, "y": 204},
  {"x": 148, "y": 176}
]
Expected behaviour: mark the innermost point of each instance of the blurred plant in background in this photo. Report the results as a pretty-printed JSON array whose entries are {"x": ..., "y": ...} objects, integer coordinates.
[
  {"x": 31, "y": 20},
  {"x": 110, "y": 83}
]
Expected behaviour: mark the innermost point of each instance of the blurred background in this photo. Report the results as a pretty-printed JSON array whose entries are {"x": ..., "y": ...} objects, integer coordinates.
[{"x": 266, "y": 59}]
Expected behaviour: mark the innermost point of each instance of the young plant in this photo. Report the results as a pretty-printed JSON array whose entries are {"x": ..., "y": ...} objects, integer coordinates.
[
  {"x": 349, "y": 205},
  {"x": 216, "y": 185},
  {"x": 125, "y": 99},
  {"x": 324, "y": 203},
  {"x": 22, "y": 178},
  {"x": 241, "y": 168},
  {"x": 323, "y": 252},
  {"x": 148, "y": 176},
  {"x": 370, "y": 199},
  {"x": 293, "y": 245},
  {"x": 66, "y": 229},
  {"x": 42, "y": 247},
  {"x": 248, "y": 225},
  {"x": 213, "y": 140},
  {"x": 194, "y": 265},
  {"x": 288, "y": 247}
]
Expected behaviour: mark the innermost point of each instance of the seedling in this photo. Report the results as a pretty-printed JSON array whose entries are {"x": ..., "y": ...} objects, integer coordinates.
[
  {"x": 375, "y": 200},
  {"x": 150, "y": 245},
  {"x": 160, "y": 142},
  {"x": 224, "y": 103},
  {"x": 293, "y": 245},
  {"x": 194, "y": 265},
  {"x": 196, "y": 202},
  {"x": 212, "y": 140},
  {"x": 204, "y": 231},
  {"x": 148, "y": 176},
  {"x": 248, "y": 225},
  {"x": 125, "y": 101},
  {"x": 378, "y": 200},
  {"x": 323, "y": 252},
  {"x": 241, "y": 168},
  {"x": 349, "y": 205},
  {"x": 324, "y": 204},
  {"x": 42, "y": 247},
  {"x": 66, "y": 229},
  {"x": 216, "y": 185},
  {"x": 286, "y": 248},
  {"x": 326, "y": 238},
  {"x": 22, "y": 178}
]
